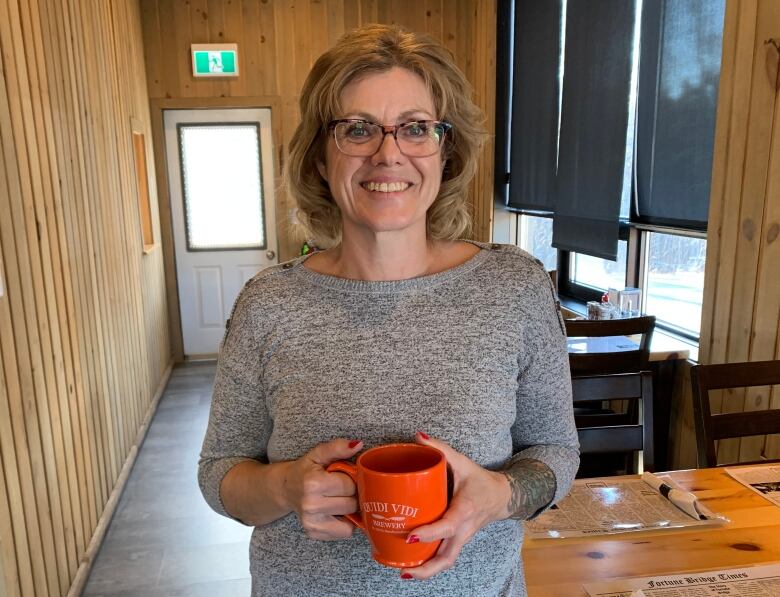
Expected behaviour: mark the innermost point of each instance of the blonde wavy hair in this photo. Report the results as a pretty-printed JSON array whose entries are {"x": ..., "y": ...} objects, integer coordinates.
[{"x": 376, "y": 49}]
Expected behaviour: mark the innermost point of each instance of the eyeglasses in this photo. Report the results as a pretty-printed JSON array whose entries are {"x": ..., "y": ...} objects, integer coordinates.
[{"x": 415, "y": 139}]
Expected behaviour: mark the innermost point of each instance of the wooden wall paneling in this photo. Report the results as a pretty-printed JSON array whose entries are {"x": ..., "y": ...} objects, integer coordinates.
[
  {"x": 450, "y": 27},
  {"x": 485, "y": 94},
  {"x": 250, "y": 47},
  {"x": 369, "y": 11},
  {"x": 64, "y": 467},
  {"x": 318, "y": 29},
  {"x": 740, "y": 311},
  {"x": 288, "y": 89},
  {"x": 407, "y": 13},
  {"x": 86, "y": 344},
  {"x": 730, "y": 141},
  {"x": 234, "y": 33},
  {"x": 15, "y": 538},
  {"x": 81, "y": 246},
  {"x": 751, "y": 212},
  {"x": 128, "y": 218},
  {"x": 166, "y": 230},
  {"x": 351, "y": 14},
  {"x": 142, "y": 389},
  {"x": 764, "y": 338},
  {"x": 179, "y": 46},
  {"x": 771, "y": 447},
  {"x": 152, "y": 47},
  {"x": 73, "y": 425},
  {"x": 28, "y": 316},
  {"x": 744, "y": 318},
  {"x": 123, "y": 331},
  {"x": 168, "y": 55},
  {"x": 433, "y": 18},
  {"x": 152, "y": 295},
  {"x": 267, "y": 66},
  {"x": 99, "y": 283},
  {"x": 102, "y": 215},
  {"x": 50, "y": 351},
  {"x": 9, "y": 574},
  {"x": 682, "y": 436},
  {"x": 728, "y": 165},
  {"x": 335, "y": 21},
  {"x": 301, "y": 34}
]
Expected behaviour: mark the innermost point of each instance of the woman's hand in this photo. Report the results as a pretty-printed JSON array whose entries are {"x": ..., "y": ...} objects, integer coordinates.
[
  {"x": 318, "y": 496},
  {"x": 479, "y": 497}
]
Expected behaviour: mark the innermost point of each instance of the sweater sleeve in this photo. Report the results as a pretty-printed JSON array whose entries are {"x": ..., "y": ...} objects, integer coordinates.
[
  {"x": 239, "y": 423},
  {"x": 544, "y": 428}
]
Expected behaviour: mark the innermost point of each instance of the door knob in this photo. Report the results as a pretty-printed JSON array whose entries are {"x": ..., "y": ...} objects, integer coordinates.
[{"x": 270, "y": 255}]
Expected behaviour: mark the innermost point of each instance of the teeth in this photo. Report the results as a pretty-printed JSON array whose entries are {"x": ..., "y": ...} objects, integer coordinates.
[{"x": 386, "y": 187}]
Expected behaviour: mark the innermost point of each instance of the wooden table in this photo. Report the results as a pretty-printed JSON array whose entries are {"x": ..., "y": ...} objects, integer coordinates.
[{"x": 559, "y": 567}]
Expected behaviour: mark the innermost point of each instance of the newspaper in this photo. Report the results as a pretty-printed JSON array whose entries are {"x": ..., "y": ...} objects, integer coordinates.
[
  {"x": 604, "y": 506},
  {"x": 763, "y": 479},
  {"x": 756, "y": 581}
]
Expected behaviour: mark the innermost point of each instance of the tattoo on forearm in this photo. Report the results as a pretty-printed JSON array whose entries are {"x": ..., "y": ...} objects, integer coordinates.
[{"x": 533, "y": 487}]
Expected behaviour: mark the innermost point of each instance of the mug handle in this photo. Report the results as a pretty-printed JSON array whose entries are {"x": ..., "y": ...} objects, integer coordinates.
[{"x": 342, "y": 466}]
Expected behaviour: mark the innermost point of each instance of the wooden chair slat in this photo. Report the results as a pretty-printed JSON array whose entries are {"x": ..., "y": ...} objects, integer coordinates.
[
  {"x": 711, "y": 427},
  {"x": 608, "y": 432}
]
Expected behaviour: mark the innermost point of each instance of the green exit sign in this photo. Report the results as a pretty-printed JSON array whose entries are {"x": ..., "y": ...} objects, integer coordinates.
[{"x": 214, "y": 60}]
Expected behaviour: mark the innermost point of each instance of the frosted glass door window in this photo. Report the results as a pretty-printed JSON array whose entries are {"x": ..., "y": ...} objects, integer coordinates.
[{"x": 222, "y": 187}]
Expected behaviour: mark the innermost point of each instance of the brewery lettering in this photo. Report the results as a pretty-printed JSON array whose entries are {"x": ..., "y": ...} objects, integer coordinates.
[{"x": 396, "y": 509}]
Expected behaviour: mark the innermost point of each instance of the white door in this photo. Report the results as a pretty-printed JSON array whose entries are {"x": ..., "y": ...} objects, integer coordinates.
[{"x": 221, "y": 183}]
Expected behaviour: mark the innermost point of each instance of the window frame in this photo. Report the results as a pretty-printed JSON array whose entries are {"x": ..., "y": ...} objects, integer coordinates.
[{"x": 637, "y": 235}]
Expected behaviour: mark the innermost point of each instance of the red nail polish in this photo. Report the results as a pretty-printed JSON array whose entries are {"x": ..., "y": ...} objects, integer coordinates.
[
  {"x": 407, "y": 576},
  {"x": 354, "y": 443},
  {"x": 424, "y": 435},
  {"x": 413, "y": 539}
]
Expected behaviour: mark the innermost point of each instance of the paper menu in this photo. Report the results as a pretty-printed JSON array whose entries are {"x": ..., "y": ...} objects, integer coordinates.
[{"x": 606, "y": 506}]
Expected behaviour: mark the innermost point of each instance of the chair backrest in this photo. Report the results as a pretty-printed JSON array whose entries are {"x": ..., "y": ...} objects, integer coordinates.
[
  {"x": 620, "y": 360},
  {"x": 711, "y": 427},
  {"x": 600, "y": 436}
]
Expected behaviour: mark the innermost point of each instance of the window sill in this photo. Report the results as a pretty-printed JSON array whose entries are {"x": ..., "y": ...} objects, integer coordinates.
[{"x": 665, "y": 345}]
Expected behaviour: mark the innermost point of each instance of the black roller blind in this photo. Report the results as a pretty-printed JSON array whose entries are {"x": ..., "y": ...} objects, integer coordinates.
[
  {"x": 678, "y": 89},
  {"x": 535, "y": 97},
  {"x": 593, "y": 173}
]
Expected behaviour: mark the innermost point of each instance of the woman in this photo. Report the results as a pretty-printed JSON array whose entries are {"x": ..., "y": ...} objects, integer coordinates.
[{"x": 397, "y": 331}]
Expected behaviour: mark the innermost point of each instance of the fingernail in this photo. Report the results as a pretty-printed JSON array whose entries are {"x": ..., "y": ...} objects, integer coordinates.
[
  {"x": 413, "y": 539},
  {"x": 354, "y": 443},
  {"x": 407, "y": 576},
  {"x": 424, "y": 435}
]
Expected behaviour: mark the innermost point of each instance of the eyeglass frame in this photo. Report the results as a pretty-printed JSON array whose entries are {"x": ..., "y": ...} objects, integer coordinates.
[{"x": 390, "y": 129}]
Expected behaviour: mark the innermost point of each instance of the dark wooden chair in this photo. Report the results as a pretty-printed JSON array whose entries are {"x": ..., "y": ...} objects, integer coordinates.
[
  {"x": 617, "y": 361},
  {"x": 711, "y": 427},
  {"x": 604, "y": 433}
]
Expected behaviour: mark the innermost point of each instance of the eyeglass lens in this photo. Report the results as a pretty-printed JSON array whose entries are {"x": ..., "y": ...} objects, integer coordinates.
[{"x": 360, "y": 138}]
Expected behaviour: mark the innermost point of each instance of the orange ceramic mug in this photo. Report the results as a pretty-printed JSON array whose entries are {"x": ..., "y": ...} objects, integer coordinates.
[{"x": 400, "y": 487}]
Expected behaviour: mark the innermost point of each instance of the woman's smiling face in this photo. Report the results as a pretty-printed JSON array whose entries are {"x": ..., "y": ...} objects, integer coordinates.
[{"x": 387, "y": 191}]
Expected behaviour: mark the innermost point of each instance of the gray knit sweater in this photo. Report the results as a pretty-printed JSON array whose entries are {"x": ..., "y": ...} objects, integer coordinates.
[{"x": 475, "y": 356}]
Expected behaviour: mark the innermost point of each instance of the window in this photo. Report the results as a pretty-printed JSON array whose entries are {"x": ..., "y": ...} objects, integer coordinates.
[
  {"x": 142, "y": 186},
  {"x": 597, "y": 273},
  {"x": 535, "y": 236},
  {"x": 629, "y": 122},
  {"x": 222, "y": 186},
  {"x": 674, "y": 281}
]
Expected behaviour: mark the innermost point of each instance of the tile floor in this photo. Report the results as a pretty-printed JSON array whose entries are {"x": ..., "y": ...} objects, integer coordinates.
[{"x": 164, "y": 540}]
